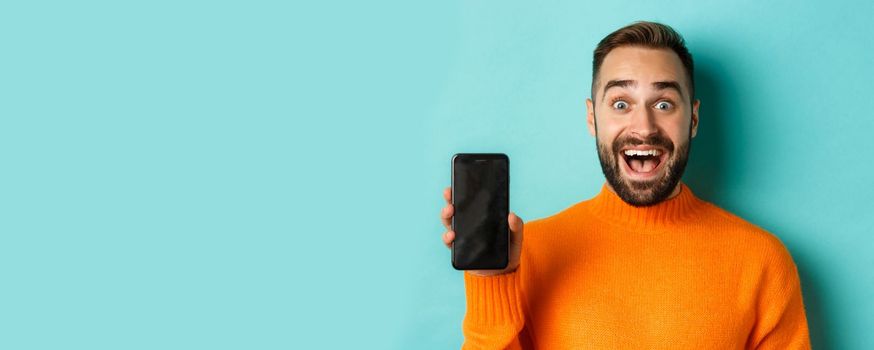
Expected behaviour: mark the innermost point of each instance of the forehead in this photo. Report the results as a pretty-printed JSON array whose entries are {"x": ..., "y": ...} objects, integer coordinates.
[{"x": 645, "y": 65}]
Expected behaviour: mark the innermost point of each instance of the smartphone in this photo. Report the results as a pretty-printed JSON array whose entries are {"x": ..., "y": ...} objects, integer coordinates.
[{"x": 481, "y": 197}]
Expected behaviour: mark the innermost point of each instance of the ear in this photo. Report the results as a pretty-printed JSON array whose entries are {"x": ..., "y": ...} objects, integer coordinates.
[
  {"x": 695, "y": 117},
  {"x": 590, "y": 116}
]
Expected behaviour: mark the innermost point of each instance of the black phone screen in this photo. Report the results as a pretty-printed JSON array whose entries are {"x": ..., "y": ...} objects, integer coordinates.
[{"x": 481, "y": 197}]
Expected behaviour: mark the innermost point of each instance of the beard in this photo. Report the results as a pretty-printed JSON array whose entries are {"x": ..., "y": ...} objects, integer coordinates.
[{"x": 650, "y": 192}]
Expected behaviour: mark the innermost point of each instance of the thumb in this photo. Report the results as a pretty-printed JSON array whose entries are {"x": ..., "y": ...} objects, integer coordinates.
[{"x": 516, "y": 226}]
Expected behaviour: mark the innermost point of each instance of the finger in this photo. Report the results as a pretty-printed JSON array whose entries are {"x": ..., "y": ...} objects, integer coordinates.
[
  {"x": 446, "y": 216},
  {"x": 447, "y": 194},
  {"x": 448, "y": 237},
  {"x": 516, "y": 224}
]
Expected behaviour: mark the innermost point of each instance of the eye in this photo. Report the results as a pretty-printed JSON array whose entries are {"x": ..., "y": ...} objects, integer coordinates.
[
  {"x": 619, "y": 104},
  {"x": 664, "y": 105}
]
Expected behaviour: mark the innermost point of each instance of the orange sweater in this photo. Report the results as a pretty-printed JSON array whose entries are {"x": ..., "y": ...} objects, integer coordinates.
[{"x": 602, "y": 274}]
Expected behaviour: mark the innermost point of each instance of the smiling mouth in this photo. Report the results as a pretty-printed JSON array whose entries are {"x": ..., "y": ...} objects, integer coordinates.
[{"x": 643, "y": 162}]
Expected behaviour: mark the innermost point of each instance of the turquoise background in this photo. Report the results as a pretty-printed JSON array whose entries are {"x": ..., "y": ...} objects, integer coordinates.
[{"x": 267, "y": 175}]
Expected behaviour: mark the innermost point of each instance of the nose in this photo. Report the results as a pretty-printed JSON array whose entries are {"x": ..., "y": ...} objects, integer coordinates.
[{"x": 642, "y": 123}]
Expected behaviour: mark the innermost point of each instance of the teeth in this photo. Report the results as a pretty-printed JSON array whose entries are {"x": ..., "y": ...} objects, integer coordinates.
[{"x": 650, "y": 152}]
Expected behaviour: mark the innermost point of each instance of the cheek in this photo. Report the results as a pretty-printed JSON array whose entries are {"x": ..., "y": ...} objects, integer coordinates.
[
  {"x": 607, "y": 130},
  {"x": 677, "y": 129},
  {"x": 681, "y": 126},
  {"x": 606, "y": 139},
  {"x": 674, "y": 127}
]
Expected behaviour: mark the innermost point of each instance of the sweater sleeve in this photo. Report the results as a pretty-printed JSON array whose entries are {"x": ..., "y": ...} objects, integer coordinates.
[
  {"x": 781, "y": 321},
  {"x": 495, "y": 315}
]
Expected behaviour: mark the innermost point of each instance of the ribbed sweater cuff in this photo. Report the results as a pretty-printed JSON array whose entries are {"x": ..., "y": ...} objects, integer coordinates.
[{"x": 493, "y": 300}]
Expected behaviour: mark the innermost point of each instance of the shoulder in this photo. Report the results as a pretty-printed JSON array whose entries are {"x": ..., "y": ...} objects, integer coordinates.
[
  {"x": 563, "y": 218},
  {"x": 548, "y": 239},
  {"x": 562, "y": 228},
  {"x": 763, "y": 261},
  {"x": 756, "y": 242}
]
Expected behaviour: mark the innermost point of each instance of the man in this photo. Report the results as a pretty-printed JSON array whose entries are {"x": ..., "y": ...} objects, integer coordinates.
[{"x": 645, "y": 264}]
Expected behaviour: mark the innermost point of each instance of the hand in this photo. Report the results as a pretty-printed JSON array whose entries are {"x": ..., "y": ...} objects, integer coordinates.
[{"x": 516, "y": 228}]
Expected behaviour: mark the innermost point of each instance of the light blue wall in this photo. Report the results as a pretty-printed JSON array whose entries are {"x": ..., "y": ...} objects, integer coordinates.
[{"x": 261, "y": 175}]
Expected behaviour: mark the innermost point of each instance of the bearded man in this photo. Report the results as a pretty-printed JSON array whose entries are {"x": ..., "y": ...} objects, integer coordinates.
[{"x": 645, "y": 264}]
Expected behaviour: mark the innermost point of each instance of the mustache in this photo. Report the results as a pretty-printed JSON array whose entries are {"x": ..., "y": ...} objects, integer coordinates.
[{"x": 654, "y": 140}]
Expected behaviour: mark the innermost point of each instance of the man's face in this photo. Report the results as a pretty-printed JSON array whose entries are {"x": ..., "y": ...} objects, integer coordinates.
[{"x": 643, "y": 122}]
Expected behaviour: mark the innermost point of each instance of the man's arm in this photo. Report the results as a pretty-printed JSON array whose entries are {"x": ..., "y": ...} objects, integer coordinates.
[
  {"x": 495, "y": 312},
  {"x": 781, "y": 321}
]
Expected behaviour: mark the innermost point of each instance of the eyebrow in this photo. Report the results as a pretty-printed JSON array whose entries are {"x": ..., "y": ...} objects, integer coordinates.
[{"x": 659, "y": 85}]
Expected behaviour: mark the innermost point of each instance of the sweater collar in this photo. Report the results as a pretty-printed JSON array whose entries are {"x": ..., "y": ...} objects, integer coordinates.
[{"x": 609, "y": 207}]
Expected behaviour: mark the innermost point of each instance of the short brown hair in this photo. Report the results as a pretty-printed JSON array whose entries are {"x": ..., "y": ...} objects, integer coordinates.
[{"x": 645, "y": 34}]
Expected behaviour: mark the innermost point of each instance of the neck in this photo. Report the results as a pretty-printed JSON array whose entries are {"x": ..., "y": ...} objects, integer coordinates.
[
  {"x": 674, "y": 193},
  {"x": 680, "y": 207}
]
